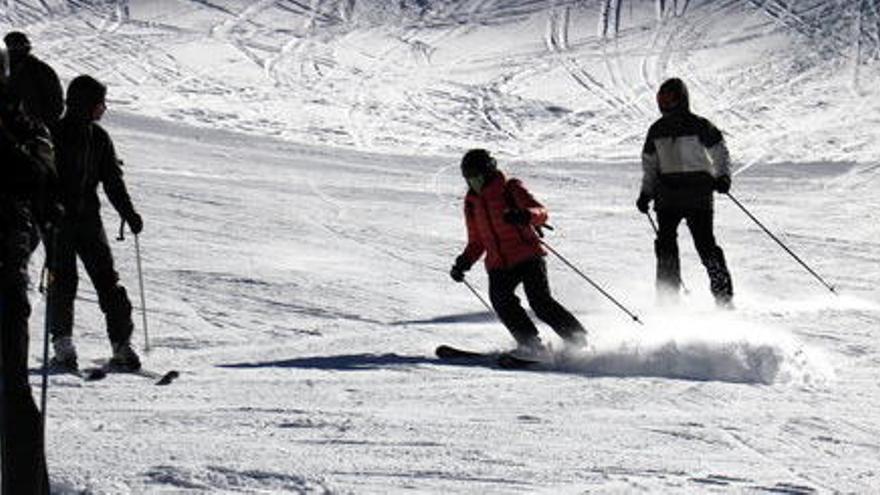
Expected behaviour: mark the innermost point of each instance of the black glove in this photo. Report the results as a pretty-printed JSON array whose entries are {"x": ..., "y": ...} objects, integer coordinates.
[
  {"x": 517, "y": 217},
  {"x": 722, "y": 184},
  {"x": 643, "y": 202},
  {"x": 135, "y": 222},
  {"x": 458, "y": 269}
]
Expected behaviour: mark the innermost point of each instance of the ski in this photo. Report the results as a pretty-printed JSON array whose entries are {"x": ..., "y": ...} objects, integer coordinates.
[
  {"x": 504, "y": 360},
  {"x": 449, "y": 352},
  {"x": 510, "y": 362},
  {"x": 104, "y": 368},
  {"x": 56, "y": 369}
]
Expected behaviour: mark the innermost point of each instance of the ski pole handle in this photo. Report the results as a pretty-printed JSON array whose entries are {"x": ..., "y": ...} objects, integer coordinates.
[{"x": 121, "y": 236}]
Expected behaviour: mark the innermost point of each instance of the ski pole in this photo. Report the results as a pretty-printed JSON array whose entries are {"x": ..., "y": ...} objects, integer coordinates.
[
  {"x": 657, "y": 233},
  {"x": 3, "y": 399},
  {"x": 596, "y": 286},
  {"x": 653, "y": 224},
  {"x": 783, "y": 246},
  {"x": 137, "y": 250},
  {"x": 477, "y": 294},
  {"x": 52, "y": 254}
]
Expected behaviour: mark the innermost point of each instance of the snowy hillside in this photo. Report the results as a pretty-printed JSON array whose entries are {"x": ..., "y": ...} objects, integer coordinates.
[
  {"x": 540, "y": 79},
  {"x": 296, "y": 163}
]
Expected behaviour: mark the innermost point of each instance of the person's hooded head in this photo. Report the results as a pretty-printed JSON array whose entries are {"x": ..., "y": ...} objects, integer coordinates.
[
  {"x": 86, "y": 98},
  {"x": 17, "y": 45},
  {"x": 673, "y": 97},
  {"x": 477, "y": 168}
]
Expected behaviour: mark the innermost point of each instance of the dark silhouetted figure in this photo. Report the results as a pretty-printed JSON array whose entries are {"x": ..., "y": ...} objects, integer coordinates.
[
  {"x": 33, "y": 81},
  {"x": 685, "y": 160},
  {"x": 26, "y": 169},
  {"x": 86, "y": 159}
]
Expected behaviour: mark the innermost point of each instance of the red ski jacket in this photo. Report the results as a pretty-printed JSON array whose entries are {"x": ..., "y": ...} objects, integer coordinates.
[{"x": 505, "y": 245}]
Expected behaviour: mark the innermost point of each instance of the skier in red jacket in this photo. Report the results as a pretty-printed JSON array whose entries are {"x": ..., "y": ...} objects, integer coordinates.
[{"x": 502, "y": 217}]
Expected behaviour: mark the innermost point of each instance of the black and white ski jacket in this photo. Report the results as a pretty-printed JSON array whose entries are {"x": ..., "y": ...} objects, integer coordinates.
[{"x": 682, "y": 156}]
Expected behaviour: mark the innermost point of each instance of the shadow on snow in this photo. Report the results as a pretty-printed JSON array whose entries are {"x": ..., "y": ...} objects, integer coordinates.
[
  {"x": 595, "y": 366},
  {"x": 477, "y": 317},
  {"x": 343, "y": 362}
]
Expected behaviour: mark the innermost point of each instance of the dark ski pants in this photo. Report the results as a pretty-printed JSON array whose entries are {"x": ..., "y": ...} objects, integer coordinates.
[
  {"x": 87, "y": 239},
  {"x": 533, "y": 275},
  {"x": 699, "y": 222},
  {"x": 24, "y": 462}
]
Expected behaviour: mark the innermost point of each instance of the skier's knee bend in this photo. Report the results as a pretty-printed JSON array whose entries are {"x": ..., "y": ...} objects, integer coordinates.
[
  {"x": 503, "y": 304},
  {"x": 713, "y": 257},
  {"x": 666, "y": 247},
  {"x": 115, "y": 300},
  {"x": 546, "y": 308}
]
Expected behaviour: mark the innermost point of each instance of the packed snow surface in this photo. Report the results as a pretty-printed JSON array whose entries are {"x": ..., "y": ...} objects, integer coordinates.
[{"x": 296, "y": 165}]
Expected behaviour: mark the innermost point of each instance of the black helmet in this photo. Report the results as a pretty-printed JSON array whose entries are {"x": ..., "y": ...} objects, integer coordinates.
[
  {"x": 84, "y": 93},
  {"x": 16, "y": 41},
  {"x": 477, "y": 162},
  {"x": 673, "y": 97}
]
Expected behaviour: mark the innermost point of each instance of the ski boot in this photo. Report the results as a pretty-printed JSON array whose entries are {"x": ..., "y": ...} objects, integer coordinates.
[
  {"x": 65, "y": 354},
  {"x": 724, "y": 302},
  {"x": 124, "y": 358},
  {"x": 577, "y": 340},
  {"x": 575, "y": 347},
  {"x": 531, "y": 349}
]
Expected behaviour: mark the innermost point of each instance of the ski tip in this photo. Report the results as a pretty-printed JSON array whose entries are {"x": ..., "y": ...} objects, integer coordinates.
[
  {"x": 167, "y": 378},
  {"x": 96, "y": 374},
  {"x": 447, "y": 352}
]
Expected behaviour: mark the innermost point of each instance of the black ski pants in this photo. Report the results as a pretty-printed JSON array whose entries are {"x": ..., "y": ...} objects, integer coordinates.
[
  {"x": 85, "y": 238},
  {"x": 24, "y": 462},
  {"x": 532, "y": 275},
  {"x": 699, "y": 222}
]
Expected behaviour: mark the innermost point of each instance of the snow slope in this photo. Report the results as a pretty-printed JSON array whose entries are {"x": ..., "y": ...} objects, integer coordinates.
[
  {"x": 296, "y": 162},
  {"x": 536, "y": 78}
]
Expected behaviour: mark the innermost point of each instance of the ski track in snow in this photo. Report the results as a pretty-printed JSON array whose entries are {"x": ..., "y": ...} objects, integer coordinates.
[
  {"x": 351, "y": 73},
  {"x": 291, "y": 159}
]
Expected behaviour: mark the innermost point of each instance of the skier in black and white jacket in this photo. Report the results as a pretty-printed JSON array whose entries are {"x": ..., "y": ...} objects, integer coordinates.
[{"x": 685, "y": 160}]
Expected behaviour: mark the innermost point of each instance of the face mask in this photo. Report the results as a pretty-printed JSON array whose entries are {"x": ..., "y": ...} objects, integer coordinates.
[{"x": 476, "y": 183}]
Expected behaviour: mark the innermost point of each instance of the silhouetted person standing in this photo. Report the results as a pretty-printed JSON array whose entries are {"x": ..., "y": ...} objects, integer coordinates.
[
  {"x": 33, "y": 81},
  {"x": 25, "y": 168},
  {"x": 85, "y": 159}
]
